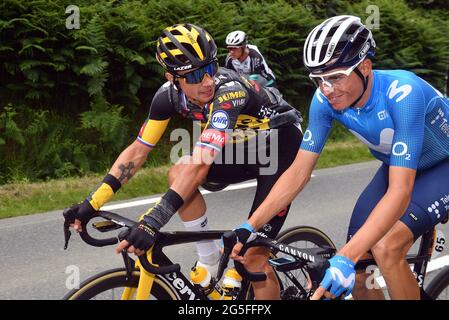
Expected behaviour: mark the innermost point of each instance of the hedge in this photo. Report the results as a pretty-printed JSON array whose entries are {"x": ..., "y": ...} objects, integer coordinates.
[{"x": 71, "y": 99}]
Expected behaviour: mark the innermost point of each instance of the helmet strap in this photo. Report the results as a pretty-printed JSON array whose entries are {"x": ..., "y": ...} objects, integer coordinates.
[
  {"x": 365, "y": 81},
  {"x": 176, "y": 82}
]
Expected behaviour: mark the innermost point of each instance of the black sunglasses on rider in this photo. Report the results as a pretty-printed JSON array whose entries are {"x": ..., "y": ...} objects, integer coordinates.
[{"x": 197, "y": 76}]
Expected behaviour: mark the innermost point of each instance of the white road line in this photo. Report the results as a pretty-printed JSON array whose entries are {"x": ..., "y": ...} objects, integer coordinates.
[{"x": 156, "y": 199}]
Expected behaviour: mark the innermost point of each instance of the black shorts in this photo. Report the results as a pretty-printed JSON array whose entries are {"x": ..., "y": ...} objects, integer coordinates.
[{"x": 287, "y": 141}]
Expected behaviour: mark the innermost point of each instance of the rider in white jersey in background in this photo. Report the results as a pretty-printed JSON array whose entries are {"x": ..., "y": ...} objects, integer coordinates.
[{"x": 246, "y": 59}]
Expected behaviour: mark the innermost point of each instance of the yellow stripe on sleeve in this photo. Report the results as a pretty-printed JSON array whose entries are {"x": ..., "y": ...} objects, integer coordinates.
[{"x": 153, "y": 131}]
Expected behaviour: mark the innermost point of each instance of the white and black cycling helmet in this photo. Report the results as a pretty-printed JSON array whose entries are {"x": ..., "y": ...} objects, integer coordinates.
[
  {"x": 341, "y": 41},
  {"x": 236, "y": 39}
]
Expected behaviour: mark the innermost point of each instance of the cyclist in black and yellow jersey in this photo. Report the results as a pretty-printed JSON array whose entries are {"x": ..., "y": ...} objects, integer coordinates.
[{"x": 226, "y": 105}]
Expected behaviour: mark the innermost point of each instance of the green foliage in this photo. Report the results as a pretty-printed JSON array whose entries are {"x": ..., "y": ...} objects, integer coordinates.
[
  {"x": 407, "y": 39},
  {"x": 41, "y": 144},
  {"x": 107, "y": 123},
  {"x": 280, "y": 30},
  {"x": 72, "y": 99}
]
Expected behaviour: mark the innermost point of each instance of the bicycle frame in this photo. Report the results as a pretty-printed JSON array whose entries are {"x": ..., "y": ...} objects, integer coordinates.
[
  {"x": 419, "y": 261},
  {"x": 178, "y": 282},
  {"x": 156, "y": 264}
]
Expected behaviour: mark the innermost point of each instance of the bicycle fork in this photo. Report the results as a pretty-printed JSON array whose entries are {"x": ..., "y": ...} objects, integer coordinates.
[{"x": 146, "y": 279}]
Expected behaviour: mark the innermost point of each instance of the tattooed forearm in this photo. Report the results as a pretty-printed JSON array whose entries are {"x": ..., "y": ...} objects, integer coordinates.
[{"x": 126, "y": 172}]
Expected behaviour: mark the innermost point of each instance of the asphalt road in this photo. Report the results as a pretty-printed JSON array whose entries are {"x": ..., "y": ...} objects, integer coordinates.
[{"x": 34, "y": 265}]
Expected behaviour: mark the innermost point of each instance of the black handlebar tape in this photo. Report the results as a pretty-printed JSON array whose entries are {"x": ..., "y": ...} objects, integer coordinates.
[
  {"x": 229, "y": 240},
  {"x": 250, "y": 276},
  {"x": 96, "y": 242},
  {"x": 157, "y": 270}
]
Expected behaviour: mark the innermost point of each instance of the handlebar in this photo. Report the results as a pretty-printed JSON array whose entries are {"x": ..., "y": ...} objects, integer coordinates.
[
  {"x": 70, "y": 216},
  {"x": 314, "y": 259},
  {"x": 251, "y": 276}
]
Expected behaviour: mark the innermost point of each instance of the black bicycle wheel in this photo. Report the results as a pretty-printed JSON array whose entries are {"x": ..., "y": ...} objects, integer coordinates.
[
  {"x": 438, "y": 288},
  {"x": 109, "y": 285},
  {"x": 294, "y": 283}
]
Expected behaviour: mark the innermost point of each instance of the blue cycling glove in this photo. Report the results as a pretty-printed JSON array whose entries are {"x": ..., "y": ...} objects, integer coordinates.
[
  {"x": 245, "y": 233},
  {"x": 339, "y": 277}
]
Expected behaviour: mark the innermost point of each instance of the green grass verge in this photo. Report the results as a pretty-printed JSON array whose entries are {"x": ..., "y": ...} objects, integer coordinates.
[
  {"x": 27, "y": 198},
  {"x": 19, "y": 199}
]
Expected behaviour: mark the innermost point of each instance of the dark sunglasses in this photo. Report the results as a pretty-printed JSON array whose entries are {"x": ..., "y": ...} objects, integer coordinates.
[{"x": 197, "y": 76}]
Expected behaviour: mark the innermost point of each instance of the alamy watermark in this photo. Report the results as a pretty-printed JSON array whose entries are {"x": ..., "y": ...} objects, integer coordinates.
[
  {"x": 374, "y": 273},
  {"x": 239, "y": 147},
  {"x": 373, "y": 20},
  {"x": 73, "y": 20},
  {"x": 73, "y": 279}
]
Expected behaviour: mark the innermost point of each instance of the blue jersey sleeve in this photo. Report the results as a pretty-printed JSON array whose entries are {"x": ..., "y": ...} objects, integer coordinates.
[
  {"x": 320, "y": 123},
  {"x": 407, "y": 109}
]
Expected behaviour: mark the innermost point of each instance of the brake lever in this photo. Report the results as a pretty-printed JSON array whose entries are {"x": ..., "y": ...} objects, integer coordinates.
[
  {"x": 67, "y": 235},
  {"x": 229, "y": 240},
  {"x": 68, "y": 220}
]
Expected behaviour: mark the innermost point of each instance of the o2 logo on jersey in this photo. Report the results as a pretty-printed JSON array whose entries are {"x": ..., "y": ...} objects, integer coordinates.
[
  {"x": 308, "y": 138},
  {"x": 400, "y": 149},
  {"x": 220, "y": 120},
  {"x": 393, "y": 90}
]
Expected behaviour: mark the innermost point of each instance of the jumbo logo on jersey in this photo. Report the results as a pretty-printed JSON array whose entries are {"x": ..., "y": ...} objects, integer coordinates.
[
  {"x": 231, "y": 95},
  {"x": 220, "y": 120},
  {"x": 393, "y": 90}
]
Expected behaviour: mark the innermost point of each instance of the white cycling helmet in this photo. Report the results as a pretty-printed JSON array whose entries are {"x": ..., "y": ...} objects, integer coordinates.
[
  {"x": 341, "y": 41},
  {"x": 236, "y": 39}
]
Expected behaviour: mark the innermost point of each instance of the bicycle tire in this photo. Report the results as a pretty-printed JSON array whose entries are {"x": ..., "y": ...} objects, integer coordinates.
[
  {"x": 298, "y": 234},
  {"x": 305, "y": 233},
  {"x": 438, "y": 284},
  {"x": 117, "y": 278}
]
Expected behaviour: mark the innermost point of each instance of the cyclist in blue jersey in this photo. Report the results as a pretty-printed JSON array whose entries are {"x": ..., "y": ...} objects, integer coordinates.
[{"x": 404, "y": 121}]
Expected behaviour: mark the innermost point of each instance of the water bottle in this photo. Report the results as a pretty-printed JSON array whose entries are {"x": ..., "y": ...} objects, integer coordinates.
[
  {"x": 232, "y": 283},
  {"x": 201, "y": 276}
]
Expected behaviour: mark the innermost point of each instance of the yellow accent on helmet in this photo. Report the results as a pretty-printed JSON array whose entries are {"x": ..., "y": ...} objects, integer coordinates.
[{"x": 184, "y": 47}]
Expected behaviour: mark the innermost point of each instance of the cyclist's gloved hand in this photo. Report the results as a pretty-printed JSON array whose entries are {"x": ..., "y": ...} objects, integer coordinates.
[
  {"x": 81, "y": 212},
  {"x": 339, "y": 277},
  {"x": 141, "y": 238},
  {"x": 245, "y": 233},
  {"x": 145, "y": 234}
]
